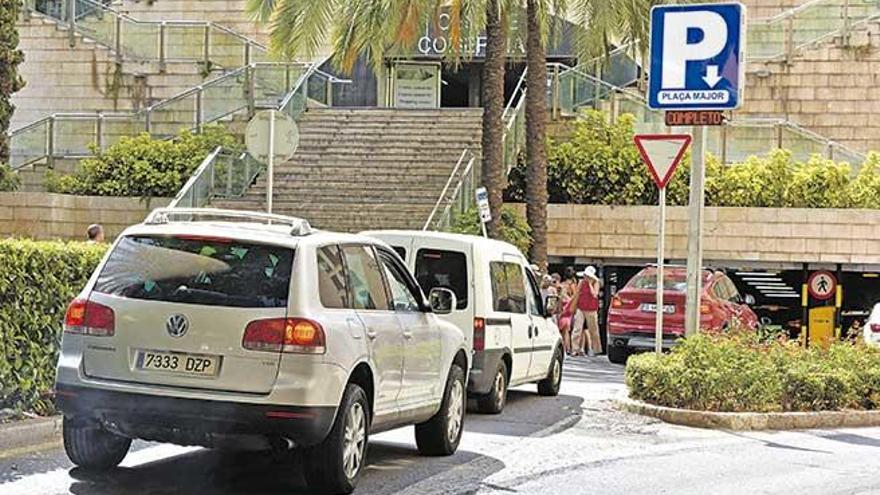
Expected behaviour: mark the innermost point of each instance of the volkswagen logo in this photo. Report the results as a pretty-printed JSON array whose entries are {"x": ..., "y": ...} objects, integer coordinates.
[{"x": 177, "y": 325}]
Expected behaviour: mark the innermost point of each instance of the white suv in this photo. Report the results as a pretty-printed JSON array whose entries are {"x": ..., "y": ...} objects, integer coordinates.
[{"x": 207, "y": 327}]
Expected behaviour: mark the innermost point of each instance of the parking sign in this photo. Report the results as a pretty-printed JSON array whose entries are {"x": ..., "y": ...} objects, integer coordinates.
[{"x": 696, "y": 57}]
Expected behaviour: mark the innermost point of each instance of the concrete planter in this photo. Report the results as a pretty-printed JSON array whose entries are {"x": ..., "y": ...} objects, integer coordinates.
[{"x": 751, "y": 421}]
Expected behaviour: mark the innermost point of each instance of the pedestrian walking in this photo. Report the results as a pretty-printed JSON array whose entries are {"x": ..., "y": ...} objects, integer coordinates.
[
  {"x": 95, "y": 233},
  {"x": 585, "y": 327}
]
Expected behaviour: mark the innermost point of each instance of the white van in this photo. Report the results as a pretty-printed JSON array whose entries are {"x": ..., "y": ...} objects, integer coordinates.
[{"x": 499, "y": 309}]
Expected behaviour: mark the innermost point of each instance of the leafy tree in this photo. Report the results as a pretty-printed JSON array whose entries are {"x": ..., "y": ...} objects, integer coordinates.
[
  {"x": 9, "y": 180},
  {"x": 10, "y": 58},
  {"x": 514, "y": 228}
]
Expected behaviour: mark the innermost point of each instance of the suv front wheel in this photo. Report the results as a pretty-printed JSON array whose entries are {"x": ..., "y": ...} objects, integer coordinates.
[
  {"x": 91, "y": 447},
  {"x": 335, "y": 464},
  {"x": 441, "y": 434}
]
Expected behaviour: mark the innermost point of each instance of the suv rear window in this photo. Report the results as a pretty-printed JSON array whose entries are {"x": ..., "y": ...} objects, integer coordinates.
[
  {"x": 196, "y": 270},
  {"x": 446, "y": 269}
]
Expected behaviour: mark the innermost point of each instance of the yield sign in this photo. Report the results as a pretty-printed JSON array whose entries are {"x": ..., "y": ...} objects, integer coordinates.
[{"x": 662, "y": 153}]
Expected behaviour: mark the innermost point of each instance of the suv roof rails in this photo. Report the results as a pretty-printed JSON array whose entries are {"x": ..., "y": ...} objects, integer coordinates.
[{"x": 159, "y": 216}]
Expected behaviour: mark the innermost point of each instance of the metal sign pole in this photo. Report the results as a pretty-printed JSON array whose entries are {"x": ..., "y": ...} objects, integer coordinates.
[
  {"x": 695, "y": 232},
  {"x": 270, "y": 172},
  {"x": 661, "y": 245},
  {"x": 483, "y": 225}
]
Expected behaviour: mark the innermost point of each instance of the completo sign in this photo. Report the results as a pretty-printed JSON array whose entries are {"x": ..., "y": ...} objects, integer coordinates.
[{"x": 694, "y": 117}]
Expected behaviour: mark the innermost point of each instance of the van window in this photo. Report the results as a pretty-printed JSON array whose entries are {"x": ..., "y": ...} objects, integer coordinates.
[
  {"x": 366, "y": 286},
  {"x": 403, "y": 292},
  {"x": 508, "y": 287},
  {"x": 198, "y": 270},
  {"x": 332, "y": 285},
  {"x": 446, "y": 269},
  {"x": 536, "y": 301}
]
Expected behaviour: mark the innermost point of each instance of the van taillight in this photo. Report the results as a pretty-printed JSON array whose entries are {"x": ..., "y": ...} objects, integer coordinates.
[
  {"x": 89, "y": 318},
  {"x": 291, "y": 335},
  {"x": 479, "y": 334}
]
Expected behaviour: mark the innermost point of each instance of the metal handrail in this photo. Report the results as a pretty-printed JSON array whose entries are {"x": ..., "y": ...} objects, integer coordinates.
[
  {"x": 200, "y": 170},
  {"x": 452, "y": 175}
]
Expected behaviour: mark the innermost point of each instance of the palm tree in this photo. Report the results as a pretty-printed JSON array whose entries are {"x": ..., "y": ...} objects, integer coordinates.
[
  {"x": 493, "y": 171},
  {"x": 536, "y": 134}
]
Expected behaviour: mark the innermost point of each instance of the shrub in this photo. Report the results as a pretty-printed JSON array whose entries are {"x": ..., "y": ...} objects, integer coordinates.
[
  {"x": 741, "y": 372},
  {"x": 141, "y": 166},
  {"x": 37, "y": 282},
  {"x": 514, "y": 228},
  {"x": 9, "y": 180},
  {"x": 599, "y": 164}
]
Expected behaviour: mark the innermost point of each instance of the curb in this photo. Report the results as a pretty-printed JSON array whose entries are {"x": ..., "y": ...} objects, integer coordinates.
[
  {"x": 751, "y": 421},
  {"x": 29, "y": 432}
]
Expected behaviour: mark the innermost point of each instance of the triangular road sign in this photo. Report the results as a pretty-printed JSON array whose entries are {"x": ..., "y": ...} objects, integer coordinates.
[{"x": 662, "y": 153}]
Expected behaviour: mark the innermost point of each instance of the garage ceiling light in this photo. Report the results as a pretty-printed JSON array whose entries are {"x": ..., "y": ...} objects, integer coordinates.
[
  {"x": 762, "y": 279},
  {"x": 784, "y": 296},
  {"x": 757, "y": 274},
  {"x": 775, "y": 284}
]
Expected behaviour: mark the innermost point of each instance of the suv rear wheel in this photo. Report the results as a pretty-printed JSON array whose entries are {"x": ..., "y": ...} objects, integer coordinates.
[
  {"x": 441, "y": 434},
  {"x": 91, "y": 447},
  {"x": 493, "y": 402},
  {"x": 335, "y": 464}
]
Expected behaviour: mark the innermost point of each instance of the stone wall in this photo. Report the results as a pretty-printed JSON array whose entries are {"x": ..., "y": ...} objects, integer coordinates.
[
  {"x": 730, "y": 234},
  {"x": 61, "y": 216}
]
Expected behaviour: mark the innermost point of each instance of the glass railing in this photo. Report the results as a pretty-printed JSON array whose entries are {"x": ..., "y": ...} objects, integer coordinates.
[
  {"x": 152, "y": 41},
  {"x": 221, "y": 175},
  {"x": 782, "y": 35},
  {"x": 733, "y": 142},
  {"x": 259, "y": 85}
]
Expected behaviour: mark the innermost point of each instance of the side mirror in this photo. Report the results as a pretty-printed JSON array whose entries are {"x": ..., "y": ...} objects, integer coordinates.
[
  {"x": 443, "y": 301},
  {"x": 750, "y": 300},
  {"x": 551, "y": 303}
]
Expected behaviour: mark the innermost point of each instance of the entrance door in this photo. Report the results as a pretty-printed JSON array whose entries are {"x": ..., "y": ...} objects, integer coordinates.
[{"x": 415, "y": 85}]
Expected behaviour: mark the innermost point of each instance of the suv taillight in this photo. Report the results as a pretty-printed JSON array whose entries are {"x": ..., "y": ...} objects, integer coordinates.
[
  {"x": 479, "y": 334},
  {"x": 89, "y": 318},
  {"x": 875, "y": 327},
  {"x": 292, "y": 335}
]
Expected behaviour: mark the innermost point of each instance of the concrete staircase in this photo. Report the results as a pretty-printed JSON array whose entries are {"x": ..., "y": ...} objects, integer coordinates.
[{"x": 359, "y": 169}]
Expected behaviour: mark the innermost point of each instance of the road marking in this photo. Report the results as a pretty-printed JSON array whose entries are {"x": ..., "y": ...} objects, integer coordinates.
[{"x": 59, "y": 480}]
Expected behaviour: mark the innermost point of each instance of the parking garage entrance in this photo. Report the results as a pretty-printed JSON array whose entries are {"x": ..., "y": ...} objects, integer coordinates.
[{"x": 782, "y": 300}]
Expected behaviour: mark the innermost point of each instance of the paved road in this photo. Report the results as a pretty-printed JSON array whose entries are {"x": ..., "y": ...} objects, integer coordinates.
[{"x": 572, "y": 444}]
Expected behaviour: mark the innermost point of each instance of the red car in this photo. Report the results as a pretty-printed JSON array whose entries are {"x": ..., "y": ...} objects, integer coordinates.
[{"x": 632, "y": 314}]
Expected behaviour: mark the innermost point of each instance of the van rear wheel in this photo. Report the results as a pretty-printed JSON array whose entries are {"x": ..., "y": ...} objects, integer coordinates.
[
  {"x": 493, "y": 402},
  {"x": 549, "y": 386},
  {"x": 92, "y": 447}
]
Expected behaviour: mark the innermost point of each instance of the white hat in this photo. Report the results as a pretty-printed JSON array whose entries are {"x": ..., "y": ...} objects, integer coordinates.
[{"x": 590, "y": 271}]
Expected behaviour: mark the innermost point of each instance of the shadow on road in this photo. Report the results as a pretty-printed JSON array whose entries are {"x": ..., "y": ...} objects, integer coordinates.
[
  {"x": 597, "y": 370},
  {"x": 528, "y": 414},
  {"x": 230, "y": 473}
]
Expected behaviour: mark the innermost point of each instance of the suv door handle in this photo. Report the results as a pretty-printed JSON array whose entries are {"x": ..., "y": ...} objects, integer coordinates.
[
  {"x": 371, "y": 334},
  {"x": 530, "y": 331},
  {"x": 536, "y": 330},
  {"x": 407, "y": 335}
]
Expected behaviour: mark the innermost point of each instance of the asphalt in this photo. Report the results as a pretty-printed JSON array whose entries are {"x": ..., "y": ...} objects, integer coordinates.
[{"x": 576, "y": 443}]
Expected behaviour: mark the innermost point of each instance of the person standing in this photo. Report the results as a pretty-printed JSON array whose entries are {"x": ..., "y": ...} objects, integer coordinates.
[{"x": 585, "y": 328}]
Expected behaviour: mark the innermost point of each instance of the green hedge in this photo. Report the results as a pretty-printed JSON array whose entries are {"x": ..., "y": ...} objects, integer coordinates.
[
  {"x": 514, "y": 228},
  {"x": 37, "y": 281},
  {"x": 9, "y": 180},
  {"x": 141, "y": 166},
  {"x": 736, "y": 372},
  {"x": 600, "y": 165}
]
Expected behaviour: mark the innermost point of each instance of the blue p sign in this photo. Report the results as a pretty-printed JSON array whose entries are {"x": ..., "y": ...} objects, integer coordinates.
[{"x": 696, "y": 57}]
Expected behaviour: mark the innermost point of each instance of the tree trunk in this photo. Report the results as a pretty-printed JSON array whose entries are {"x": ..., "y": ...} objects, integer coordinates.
[
  {"x": 493, "y": 176},
  {"x": 536, "y": 134}
]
